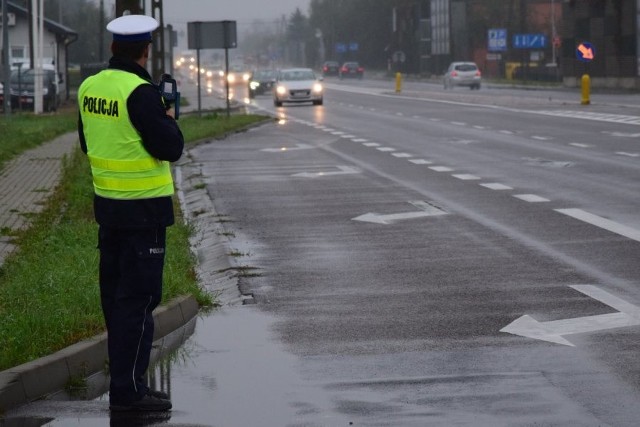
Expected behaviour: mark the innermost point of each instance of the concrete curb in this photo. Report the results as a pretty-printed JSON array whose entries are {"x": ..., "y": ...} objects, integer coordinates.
[{"x": 42, "y": 377}]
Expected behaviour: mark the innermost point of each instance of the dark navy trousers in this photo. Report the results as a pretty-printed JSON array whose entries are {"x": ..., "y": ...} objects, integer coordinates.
[{"x": 131, "y": 265}]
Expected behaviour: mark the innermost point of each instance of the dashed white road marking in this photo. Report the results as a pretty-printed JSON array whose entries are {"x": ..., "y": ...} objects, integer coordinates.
[
  {"x": 371, "y": 144},
  {"x": 541, "y": 138},
  {"x": 347, "y": 136},
  {"x": 531, "y": 198},
  {"x": 603, "y": 117},
  {"x": 402, "y": 155},
  {"x": 496, "y": 186},
  {"x": 421, "y": 161},
  {"x": 360, "y": 140},
  {"x": 440, "y": 168},
  {"x": 466, "y": 177},
  {"x": 386, "y": 149},
  {"x": 506, "y": 132},
  {"x": 459, "y": 123},
  {"x": 579, "y": 145},
  {"x": 603, "y": 223},
  {"x": 624, "y": 153}
]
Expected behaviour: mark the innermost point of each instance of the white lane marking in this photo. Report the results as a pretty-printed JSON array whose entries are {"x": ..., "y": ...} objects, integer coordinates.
[
  {"x": 553, "y": 331},
  {"x": 612, "y": 118},
  {"x": 425, "y": 210},
  {"x": 347, "y": 136},
  {"x": 624, "y": 153},
  {"x": 506, "y": 132},
  {"x": 459, "y": 123},
  {"x": 604, "y": 223},
  {"x": 421, "y": 161},
  {"x": 343, "y": 170},
  {"x": 284, "y": 148},
  {"x": 337, "y": 132},
  {"x": 579, "y": 145},
  {"x": 402, "y": 155},
  {"x": 531, "y": 198},
  {"x": 582, "y": 115},
  {"x": 466, "y": 177},
  {"x": 479, "y": 127},
  {"x": 385, "y": 149},
  {"x": 360, "y": 140},
  {"x": 440, "y": 168},
  {"x": 399, "y": 114},
  {"x": 496, "y": 186},
  {"x": 541, "y": 138},
  {"x": 622, "y": 134},
  {"x": 371, "y": 144}
]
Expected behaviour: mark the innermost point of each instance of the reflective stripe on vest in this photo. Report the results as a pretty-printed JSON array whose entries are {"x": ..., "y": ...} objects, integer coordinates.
[
  {"x": 120, "y": 165},
  {"x": 137, "y": 184},
  {"x": 124, "y": 165}
]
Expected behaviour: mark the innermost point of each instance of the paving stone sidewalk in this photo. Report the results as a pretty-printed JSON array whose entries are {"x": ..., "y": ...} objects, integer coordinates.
[{"x": 25, "y": 184}]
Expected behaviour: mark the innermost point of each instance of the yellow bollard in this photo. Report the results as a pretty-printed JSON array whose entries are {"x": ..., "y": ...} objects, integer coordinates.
[
  {"x": 586, "y": 89},
  {"x": 398, "y": 82}
]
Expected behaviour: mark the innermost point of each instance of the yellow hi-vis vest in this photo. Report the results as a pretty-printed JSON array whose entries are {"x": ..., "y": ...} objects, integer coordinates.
[{"x": 120, "y": 165}]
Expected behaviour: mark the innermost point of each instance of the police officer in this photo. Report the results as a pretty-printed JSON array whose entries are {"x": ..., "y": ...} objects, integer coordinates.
[{"x": 130, "y": 138}]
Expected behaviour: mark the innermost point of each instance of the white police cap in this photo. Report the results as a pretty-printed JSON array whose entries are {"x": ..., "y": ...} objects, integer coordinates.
[{"x": 132, "y": 28}]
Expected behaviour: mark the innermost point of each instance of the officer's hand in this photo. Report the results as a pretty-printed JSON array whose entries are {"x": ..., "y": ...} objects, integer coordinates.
[{"x": 171, "y": 113}]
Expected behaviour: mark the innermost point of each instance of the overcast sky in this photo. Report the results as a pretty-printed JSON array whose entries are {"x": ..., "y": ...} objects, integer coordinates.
[{"x": 242, "y": 11}]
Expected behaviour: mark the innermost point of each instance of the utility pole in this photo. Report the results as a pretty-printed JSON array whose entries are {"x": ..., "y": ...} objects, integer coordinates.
[
  {"x": 136, "y": 7},
  {"x": 158, "y": 47},
  {"x": 133, "y": 6},
  {"x": 101, "y": 33},
  {"x": 6, "y": 72}
]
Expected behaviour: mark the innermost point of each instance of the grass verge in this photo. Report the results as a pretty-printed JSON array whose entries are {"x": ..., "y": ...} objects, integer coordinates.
[
  {"x": 49, "y": 296},
  {"x": 24, "y": 131}
]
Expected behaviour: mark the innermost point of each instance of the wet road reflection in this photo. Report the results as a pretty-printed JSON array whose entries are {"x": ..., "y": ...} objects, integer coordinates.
[{"x": 230, "y": 372}]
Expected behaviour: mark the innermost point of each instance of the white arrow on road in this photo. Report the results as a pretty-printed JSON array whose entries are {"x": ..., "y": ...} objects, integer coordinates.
[
  {"x": 344, "y": 170},
  {"x": 554, "y": 331},
  {"x": 282, "y": 149},
  {"x": 426, "y": 209}
]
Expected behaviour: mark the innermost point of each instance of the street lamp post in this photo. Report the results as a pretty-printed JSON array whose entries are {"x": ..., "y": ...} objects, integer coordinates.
[{"x": 553, "y": 33}]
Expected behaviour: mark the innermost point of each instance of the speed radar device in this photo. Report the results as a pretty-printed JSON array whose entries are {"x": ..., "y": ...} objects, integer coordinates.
[{"x": 169, "y": 91}]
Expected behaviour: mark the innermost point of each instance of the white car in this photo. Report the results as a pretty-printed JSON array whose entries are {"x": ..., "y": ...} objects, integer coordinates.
[
  {"x": 463, "y": 74},
  {"x": 297, "y": 85}
]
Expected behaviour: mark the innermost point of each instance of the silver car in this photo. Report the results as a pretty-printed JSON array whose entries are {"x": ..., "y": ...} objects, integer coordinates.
[
  {"x": 297, "y": 85},
  {"x": 462, "y": 74}
]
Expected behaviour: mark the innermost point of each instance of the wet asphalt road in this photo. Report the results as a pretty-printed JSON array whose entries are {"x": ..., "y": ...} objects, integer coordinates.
[{"x": 385, "y": 242}]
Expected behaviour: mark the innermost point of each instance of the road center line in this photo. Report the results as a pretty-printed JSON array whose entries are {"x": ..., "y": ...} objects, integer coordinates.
[{"x": 604, "y": 223}]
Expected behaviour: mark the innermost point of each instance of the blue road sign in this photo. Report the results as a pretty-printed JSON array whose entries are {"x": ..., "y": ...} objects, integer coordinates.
[
  {"x": 585, "y": 52},
  {"x": 341, "y": 48},
  {"x": 529, "y": 41},
  {"x": 497, "y": 39}
]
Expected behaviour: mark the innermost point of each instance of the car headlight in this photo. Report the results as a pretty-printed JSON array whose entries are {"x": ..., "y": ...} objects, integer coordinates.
[
  {"x": 281, "y": 90},
  {"x": 317, "y": 88},
  {"x": 254, "y": 85}
]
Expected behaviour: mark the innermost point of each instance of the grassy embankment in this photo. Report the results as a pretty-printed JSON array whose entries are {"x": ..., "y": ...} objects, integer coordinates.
[{"x": 49, "y": 295}]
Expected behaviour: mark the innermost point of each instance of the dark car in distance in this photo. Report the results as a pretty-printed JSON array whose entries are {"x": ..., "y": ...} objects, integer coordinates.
[
  {"x": 22, "y": 89},
  {"x": 261, "y": 82},
  {"x": 351, "y": 70},
  {"x": 330, "y": 68}
]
